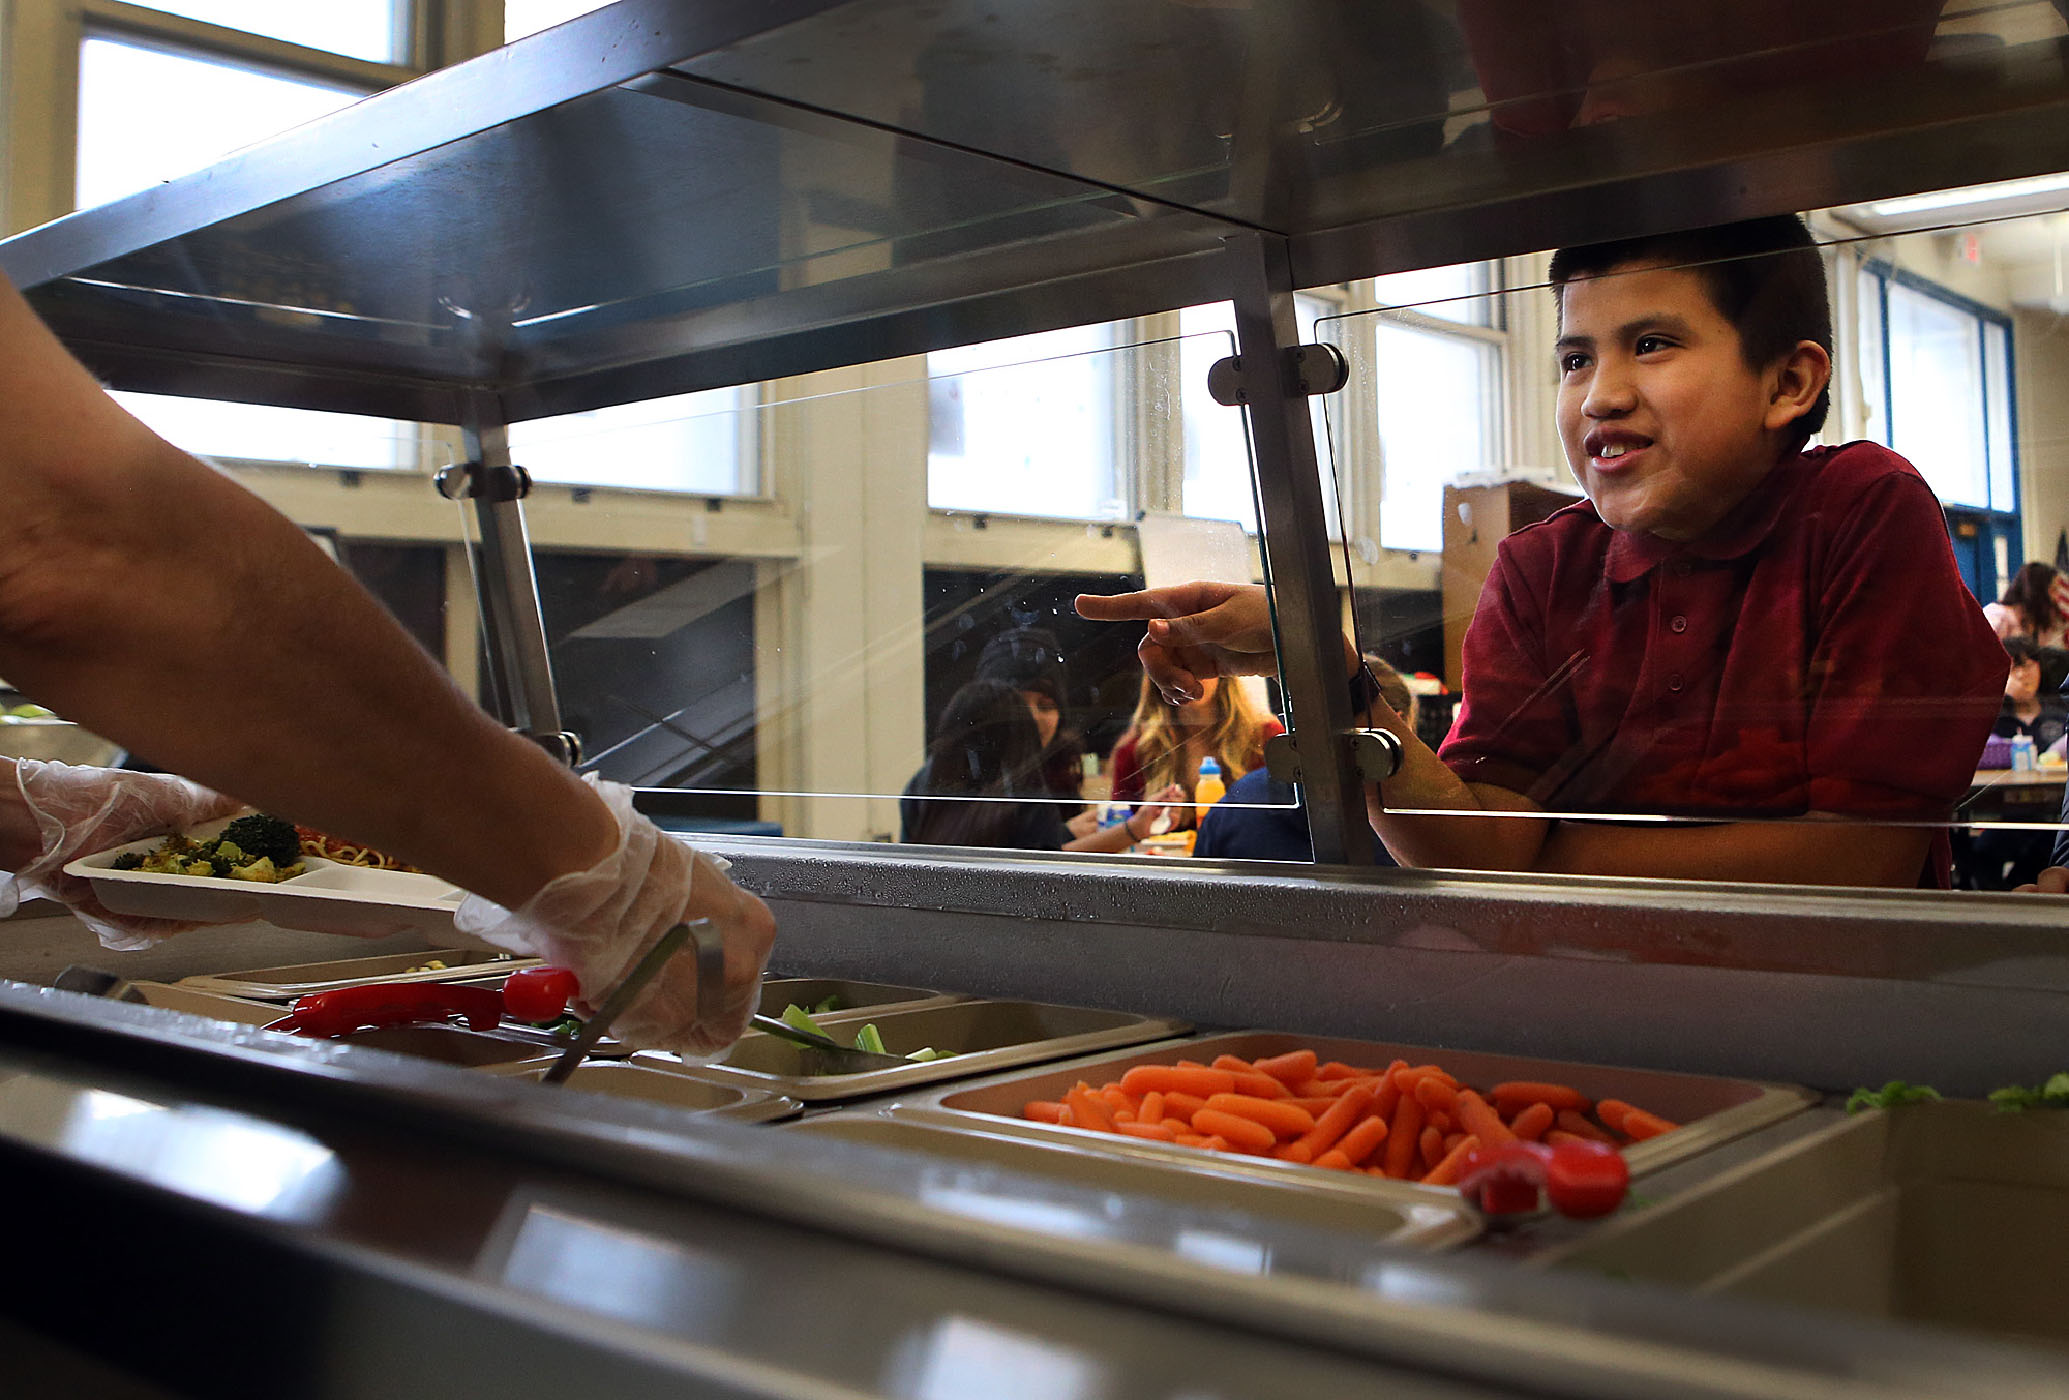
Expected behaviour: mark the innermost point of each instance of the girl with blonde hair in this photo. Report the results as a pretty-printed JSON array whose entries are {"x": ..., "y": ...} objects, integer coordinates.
[{"x": 1166, "y": 742}]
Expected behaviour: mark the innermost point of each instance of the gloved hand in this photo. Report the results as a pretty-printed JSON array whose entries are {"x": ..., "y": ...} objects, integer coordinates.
[
  {"x": 79, "y": 811},
  {"x": 598, "y": 922}
]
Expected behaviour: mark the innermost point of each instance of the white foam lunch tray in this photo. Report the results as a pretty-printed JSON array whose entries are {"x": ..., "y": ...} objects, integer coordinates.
[{"x": 326, "y": 898}]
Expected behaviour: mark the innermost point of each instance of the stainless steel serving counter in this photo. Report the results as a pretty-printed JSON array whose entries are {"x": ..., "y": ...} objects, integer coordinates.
[{"x": 222, "y": 1212}]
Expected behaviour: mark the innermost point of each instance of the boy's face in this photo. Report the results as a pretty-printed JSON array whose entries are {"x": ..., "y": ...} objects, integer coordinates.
[{"x": 1664, "y": 425}]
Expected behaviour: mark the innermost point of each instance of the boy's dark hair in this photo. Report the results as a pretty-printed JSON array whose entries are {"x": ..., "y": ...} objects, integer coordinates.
[
  {"x": 2021, "y": 651},
  {"x": 1765, "y": 276}
]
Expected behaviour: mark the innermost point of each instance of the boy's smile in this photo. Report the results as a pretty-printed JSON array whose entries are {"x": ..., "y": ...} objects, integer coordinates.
[{"x": 1664, "y": 424}]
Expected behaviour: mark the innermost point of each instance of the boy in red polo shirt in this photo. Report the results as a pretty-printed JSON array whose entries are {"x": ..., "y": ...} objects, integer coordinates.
[{"x": 1730, "y": 626}]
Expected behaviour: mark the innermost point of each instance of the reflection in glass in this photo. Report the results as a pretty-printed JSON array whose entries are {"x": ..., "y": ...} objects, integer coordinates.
[{"x": 148, "y": 114}]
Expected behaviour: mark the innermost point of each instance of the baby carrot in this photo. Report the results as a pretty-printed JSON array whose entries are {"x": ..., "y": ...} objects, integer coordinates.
[
  {"x": 1448, "y": 1171},
  {"x": 1532, "y": 1123},
  {"x": 1244, "y": 1134},
  {"x": 1250, "y": 1081},
  {"x": 1559, "y": 1135},
  {"x": 1362, "y": 1141},
  {"x": 1195, "y": 1079},
  {"x": 1337, "y": 1069},
  {"x": 1117, "y": 1099},
  {"x": 1481, "y": 1121},
  {"x": 1337, "y": 1121},
  {"x": 1611, "y": 1112},
  {"x": 1334, "y": 1160},
  {"x": 1514, "y": 1096},
  {"x": 1640, "y": 1125},
  {"x": 1430, "y": 1147},
  {"x": 1317, "y": 1105},
  {"x": 1177, "y": 1105},
  {"x": 1088, "y": 1109},
  {"x": 1435, "y": 1094},
  {"x": 1452, "y": 1140},
  {"x": 1043, "y": 1111},
  {"x": 1152, "y": 1110},
  {"x": 1281, "y": 1120},
  {"x": 1293, "y": 1067},
  {"x": 1576, "y": 1123},
  {"x": 1206, "y": 1140},
  {"x": 1401, "y": 1137},
  {"x": 1297, "y": 1153},
  {"x": 1159, "y": 1132}
]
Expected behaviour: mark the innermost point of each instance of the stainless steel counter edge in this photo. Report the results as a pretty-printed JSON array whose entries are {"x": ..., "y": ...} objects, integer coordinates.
[
  {"x": 1571, "y": 1335},
  {"x": 1963, "y": 991}
]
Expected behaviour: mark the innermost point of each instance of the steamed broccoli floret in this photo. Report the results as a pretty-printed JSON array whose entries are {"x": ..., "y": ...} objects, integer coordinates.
[
  {"x": 129, "y": 860},
  {"x": 263, "y": 836}
]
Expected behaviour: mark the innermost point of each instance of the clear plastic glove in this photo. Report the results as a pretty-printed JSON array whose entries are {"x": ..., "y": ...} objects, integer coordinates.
[
  {"x": 598, "y": 922},
  {"x": 79, "y": 811}
]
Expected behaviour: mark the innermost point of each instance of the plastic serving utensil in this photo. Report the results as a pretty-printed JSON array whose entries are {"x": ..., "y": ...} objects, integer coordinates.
[
  {"x": 835, "y": 1057},
  {"x": 711, "y": 978}
]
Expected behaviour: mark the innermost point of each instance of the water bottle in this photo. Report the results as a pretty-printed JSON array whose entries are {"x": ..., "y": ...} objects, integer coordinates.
[
  {"x": 2022, "y": 753},
  {"x": 1210, "y": 788}
]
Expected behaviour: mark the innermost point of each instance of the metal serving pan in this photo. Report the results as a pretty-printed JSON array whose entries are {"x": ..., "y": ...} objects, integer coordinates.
[
  {"x": 664, "y": 1086},
  {"x": 1949, "y": 1213},
  {"x": 980, "y": 1036},
  {"x": 866, "y": 999},
  {"x": 300, "y": 979},
  {"x": 1711, "y": 1111},
  {"x": 218, "y": 1008},
  {"x": 1334, "y": 1201}
]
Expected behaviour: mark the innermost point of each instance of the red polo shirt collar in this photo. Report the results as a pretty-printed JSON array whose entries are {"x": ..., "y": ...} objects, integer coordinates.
[{"x": 1742, "y": 530}]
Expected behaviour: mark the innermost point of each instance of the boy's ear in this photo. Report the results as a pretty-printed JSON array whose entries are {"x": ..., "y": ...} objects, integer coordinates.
[{"x": 1795, "y": 383}]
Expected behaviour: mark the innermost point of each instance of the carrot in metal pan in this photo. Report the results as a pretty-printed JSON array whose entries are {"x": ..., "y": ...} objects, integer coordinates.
[
  {"x": 1533, "y": 1122},
  {"x": 1089, "y": 1110},
  {"x": 1448, "y": 1171},
  {"x": 1182, "y": 1106},
  {"x": 1640, "y": 1125},
  {"x": 1243, "y": 1133},
  {"x": 1334, "y": 1160},
  {"x": 1043, "y": 1111},
  {"x": 1580, "y": 1125},
  {"x": 1435, "y": 1093},
  {"x": 1160, "y": 1132},
  {"x": 1362, "y": 1141},
  {"x": 1431, "y": 1147},
  {"x": 1197, "y": 1080},
  {"x": 1515, "y": 1095},
  {"x": 1481, "y": 1121},
  {"x": 1152, "y": 1110},
  {"x": 1250, "y": 1081},
  {"x": 1282, "y": 1120},
  {"x": 1402, "y": 1132},
  {"x": 1337, "y": 1120},
  {"x": 1293, "y": 1067}
]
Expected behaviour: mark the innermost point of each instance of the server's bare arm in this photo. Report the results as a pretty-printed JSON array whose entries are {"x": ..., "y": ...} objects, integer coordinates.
[{"x": 159, "y": 603}]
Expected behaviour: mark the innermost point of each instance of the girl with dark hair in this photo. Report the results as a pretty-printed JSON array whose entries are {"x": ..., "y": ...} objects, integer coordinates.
[
  {"x": 2029, "y": 607},
  {"x": 986, "y": 753}
]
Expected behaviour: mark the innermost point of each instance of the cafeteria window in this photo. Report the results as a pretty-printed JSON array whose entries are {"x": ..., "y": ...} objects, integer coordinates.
[
  {"x": 1937, "y": 369},
  {"x": 166, "y": 97},
  {"x": 701, "y": 444},
  {"x": 370, "y": 29},
  {"x": 1029, "y": 426}
]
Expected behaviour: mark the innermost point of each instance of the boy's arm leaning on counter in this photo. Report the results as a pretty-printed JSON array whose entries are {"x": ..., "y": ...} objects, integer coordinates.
[{"x": 1197, "y": 630}]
